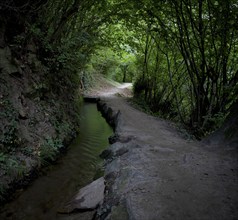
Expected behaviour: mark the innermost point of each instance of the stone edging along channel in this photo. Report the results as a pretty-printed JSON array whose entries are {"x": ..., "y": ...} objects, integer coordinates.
[
  {"x": 112, "y": 117},
  {"x": 114, "y": 203},
  {"x": 101, "y": 196},
  {"x": 147, "y": 177}
]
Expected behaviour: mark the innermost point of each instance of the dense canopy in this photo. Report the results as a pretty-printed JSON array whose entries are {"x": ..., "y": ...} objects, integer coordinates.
[{"x": 181, "y": 55}]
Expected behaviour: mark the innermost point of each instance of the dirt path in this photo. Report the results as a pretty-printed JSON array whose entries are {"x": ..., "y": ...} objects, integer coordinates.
[{"x": 153, "y": 173}]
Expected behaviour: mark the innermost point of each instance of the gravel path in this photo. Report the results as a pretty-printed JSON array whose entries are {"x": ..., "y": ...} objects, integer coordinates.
[{"x": 153, "y": 173}]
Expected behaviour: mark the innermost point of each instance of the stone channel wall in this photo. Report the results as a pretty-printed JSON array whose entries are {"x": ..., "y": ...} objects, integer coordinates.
[{"x": 114, "y": 205}]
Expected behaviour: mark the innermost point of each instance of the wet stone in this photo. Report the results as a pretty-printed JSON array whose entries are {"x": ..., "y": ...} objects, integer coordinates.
[{"x": 88, "y": 198}]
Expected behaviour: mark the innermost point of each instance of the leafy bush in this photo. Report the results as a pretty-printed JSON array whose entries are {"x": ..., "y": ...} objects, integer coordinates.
[
  {"x": 11, "y": 165},
  {"x": 49, "y": 150},
  {"x": 3, "y": 158},
  {"x": 14, "y": 167},
  {"x": 8, "y": 133}
]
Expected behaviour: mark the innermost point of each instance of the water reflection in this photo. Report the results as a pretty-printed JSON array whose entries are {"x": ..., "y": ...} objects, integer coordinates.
[{"x": 76, "y": 169}]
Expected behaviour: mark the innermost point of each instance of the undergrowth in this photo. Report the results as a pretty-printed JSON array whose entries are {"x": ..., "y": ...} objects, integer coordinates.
[
  {"x": 49, "y": 150},
  {"x": 12, "y": 165},
  {"x": 141, "y": 105}
]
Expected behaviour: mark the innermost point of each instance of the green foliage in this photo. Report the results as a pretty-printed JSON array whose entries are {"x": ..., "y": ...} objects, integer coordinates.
[
  {"x": 38, "y": 90},
  {"x": 49, "y": 150},
  {"x": 11, "y": 165},
  {"x": 63, "y": 128},
  {"x": 86, "y": 77},
  {"x": 186, "y": 52},
  {"x": 15, "y": 168},
  {"x": 68, "y": 40},
  {"x": 61, "y": 121},
  {"x": 27, "y": 151},
  {"x": 117, "y": 65},
  {"x": 3, "y": 157},
  {"x": 104, "y": 61},
  {"x": 8, "y": 136},
  {"x": 214, "y": 122},
  {"x": 140, "y": 103}
]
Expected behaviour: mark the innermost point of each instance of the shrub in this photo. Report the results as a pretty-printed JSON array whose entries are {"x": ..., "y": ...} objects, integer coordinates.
[{"x": 49, "y": 150}]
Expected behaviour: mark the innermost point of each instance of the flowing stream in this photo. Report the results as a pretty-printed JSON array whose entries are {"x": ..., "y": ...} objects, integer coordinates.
[{"x": 77, "y": 168}]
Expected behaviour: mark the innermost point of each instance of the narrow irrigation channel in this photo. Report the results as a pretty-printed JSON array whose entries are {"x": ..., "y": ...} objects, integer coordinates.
[{"x": 77, "y": 168}]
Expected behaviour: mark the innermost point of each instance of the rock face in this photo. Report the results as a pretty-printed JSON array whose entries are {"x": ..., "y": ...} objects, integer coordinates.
[
  {"x": 29, "y": 114},
  {"x": 88, "y": 198}
]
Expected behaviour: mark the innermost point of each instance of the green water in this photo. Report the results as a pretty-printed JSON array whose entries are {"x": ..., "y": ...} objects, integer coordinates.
[{"x": 74, "y": 170}]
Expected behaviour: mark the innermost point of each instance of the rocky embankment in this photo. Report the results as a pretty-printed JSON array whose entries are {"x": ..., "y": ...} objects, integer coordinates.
[
  {"x": 37, "y": 120},
  {"x": 153, "y": 173}
]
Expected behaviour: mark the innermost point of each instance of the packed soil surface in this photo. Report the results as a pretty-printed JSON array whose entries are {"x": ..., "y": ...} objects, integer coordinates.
[{"x": 153, "y": 173}]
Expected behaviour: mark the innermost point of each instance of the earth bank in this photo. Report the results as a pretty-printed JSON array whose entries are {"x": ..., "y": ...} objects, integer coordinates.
[{"x": 38, "y": 117}]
